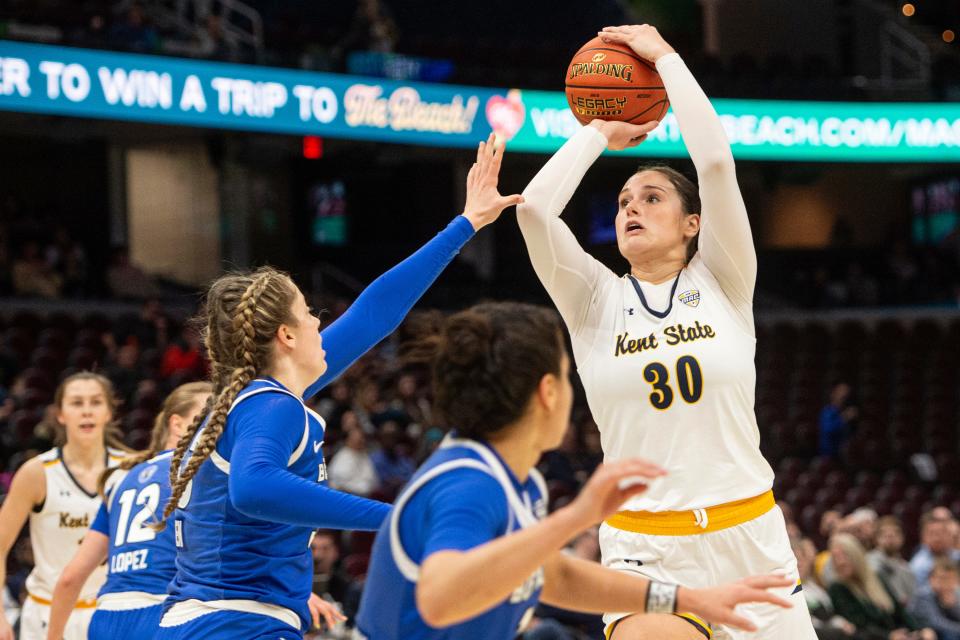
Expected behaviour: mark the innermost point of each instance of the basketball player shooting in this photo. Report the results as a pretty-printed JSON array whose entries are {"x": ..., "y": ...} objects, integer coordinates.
[{"x": 666, "y": 355}]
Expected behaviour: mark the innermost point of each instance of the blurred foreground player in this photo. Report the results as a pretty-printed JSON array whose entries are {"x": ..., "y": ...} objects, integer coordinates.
[{"x": 468, "y": 550}]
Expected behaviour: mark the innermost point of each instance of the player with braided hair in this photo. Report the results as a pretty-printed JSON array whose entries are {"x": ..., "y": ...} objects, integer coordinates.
[{"x": 248, "y": 476}]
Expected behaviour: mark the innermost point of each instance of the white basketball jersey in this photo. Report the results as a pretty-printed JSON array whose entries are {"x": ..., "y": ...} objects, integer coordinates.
[
  {"x": 677, "y": 390},
  {"x": 57, "y": 529}
]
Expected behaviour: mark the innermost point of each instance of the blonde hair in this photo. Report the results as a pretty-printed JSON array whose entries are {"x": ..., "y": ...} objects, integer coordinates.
[
  {"x": 865, "y": 583},
  {"x": 241, "y": 315},
  {"x": 112, "y": 435},
  {"x": 179, "y": 403}
]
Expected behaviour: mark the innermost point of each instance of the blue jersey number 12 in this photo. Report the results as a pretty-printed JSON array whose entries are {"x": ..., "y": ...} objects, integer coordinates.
[{"x": 138, "y": 530}]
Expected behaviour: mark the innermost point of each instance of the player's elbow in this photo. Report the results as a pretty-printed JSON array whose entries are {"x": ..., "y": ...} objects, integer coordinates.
[
  {"x": 434, "y": 606},
  {"x": 718, "y": 162},
  {"x": 436, "y": 594},
  {"x": 69, "y": 580},
  {"x": 247, "y": 497},
  {"x": 535, "y": 202}
]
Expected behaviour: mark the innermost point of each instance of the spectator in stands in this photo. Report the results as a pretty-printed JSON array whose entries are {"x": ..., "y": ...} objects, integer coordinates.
[
  {"x": 392, "y": 460},
  {"x": 822, "y": 565},
  {"x": 367, "y": 403},
  {"x": 409, "y": 400},
  {"x": 125, "y": 371},
  {"x": 184, "y": 357},
  {"x": 335, "y": 403},
  {"x": 937, "y": 540},
  {"x": 372, "y": 29},
  {"x": 214, "y": 43},
  {"x": 944, "y": 513},
  {"x": 69, "y": 259},
  {"x": 329, "y": 581},
  {"x": 128, "y": 281},
  {"x": 836, "y": 420},
  {"x": 133, "y": 33},
  {"x": 828, "y": 625},
  {"x": 862, "y": 523},
  {"x": 886, "y": 560},
  {"x": 32, "y": 276},
  {"x": 938, "y": 603},
  {"x": 208, "y": 42},
  {"x": 351, "y": 469},
  {"x": 148, "y": 329},
  {"x": 860, "y": 596}
]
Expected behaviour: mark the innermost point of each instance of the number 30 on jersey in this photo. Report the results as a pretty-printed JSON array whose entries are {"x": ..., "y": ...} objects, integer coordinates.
[{"x": 689, "y": 382}]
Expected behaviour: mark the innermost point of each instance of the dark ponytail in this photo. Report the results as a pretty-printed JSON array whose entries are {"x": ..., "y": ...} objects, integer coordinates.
[{"x": 487, "y": 362}]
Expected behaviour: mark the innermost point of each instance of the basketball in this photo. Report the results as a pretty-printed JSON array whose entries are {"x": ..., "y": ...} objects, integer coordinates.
[{"x": 610, "y": 82}]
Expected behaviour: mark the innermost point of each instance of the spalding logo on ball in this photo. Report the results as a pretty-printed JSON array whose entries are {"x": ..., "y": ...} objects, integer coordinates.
[{"x": 609, "y": 81}]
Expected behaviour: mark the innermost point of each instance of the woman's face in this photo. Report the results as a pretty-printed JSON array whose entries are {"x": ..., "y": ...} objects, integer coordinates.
[
  {"x": 178, "y": 424},
  {"x": 84, "y": 411},
  {"x": 650, "y": 219},
  {"x": 842, "y": 565},
  {"x": 308, "y": 352}
]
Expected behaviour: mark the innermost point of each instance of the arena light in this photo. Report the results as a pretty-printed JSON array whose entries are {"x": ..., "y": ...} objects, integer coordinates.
[
  {"x": 949, "y": 36},
  {"x": 908, "y": 9},
  {"x": 312, "y": 147}
]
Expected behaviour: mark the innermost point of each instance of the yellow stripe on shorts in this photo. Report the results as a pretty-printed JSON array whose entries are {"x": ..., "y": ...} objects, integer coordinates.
[{"x": 693, "y": 522}]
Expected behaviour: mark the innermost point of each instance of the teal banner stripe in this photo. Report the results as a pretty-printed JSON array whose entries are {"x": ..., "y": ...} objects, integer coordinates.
[{"x": 100, "y": 84}]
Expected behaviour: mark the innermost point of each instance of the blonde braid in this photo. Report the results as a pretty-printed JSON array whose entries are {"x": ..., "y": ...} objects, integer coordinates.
[{"x": 244, "y": 336}]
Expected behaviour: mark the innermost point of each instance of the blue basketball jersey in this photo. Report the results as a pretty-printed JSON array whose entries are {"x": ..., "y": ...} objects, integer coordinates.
[
  {"x": 140, "y": 558},
  {"x": 239, "y": 562},
  {"x": 463, "y": 496}
]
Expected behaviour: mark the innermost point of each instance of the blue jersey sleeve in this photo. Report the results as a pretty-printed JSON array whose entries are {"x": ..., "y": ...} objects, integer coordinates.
[
  {"x": 101, "y": 522},
  {"x": 463, "y": 509},
  {"x": 383, "y": 305},
  {"x": 261, "y": 486}
]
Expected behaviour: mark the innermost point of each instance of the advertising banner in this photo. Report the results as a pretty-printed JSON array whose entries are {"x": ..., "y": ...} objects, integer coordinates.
[{"x": 101, "y": 84}]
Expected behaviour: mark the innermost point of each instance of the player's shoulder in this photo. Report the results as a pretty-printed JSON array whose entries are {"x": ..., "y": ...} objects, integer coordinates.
[
  {"x": 115, "y": 456},
  {"x": 114, "y": 480},
  {"x": 149, "y": 470},
  {"x": 35, "y": 467},
  {"x": 266, "y": 398},
  {"x": 48, "y": 458},
  {"x": 455, "y": 469}
]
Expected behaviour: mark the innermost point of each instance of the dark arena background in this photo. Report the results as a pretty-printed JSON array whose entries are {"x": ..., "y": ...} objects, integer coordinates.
[{"x": 148, "y": 146}]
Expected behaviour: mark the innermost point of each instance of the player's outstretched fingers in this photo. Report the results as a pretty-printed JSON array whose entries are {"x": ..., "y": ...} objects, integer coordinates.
[
  {"x": 760, "y": 585},
  {"x": 732, "y": 619},
  {"x": 472, "y": 176},
  {"x": 762, "y": 595}
]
